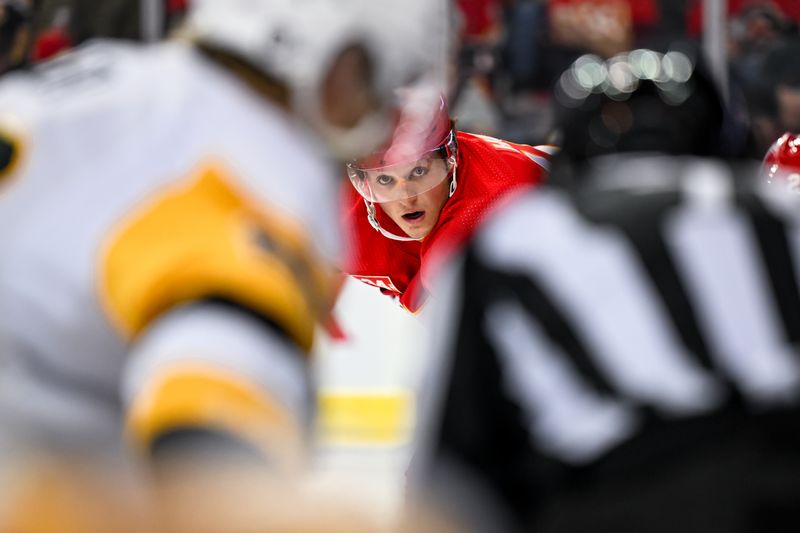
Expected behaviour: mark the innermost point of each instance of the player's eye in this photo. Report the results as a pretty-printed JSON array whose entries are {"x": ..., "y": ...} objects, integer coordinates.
[
  {"x": 384, "y": 179},
  {"x": 418, "y": 172}
]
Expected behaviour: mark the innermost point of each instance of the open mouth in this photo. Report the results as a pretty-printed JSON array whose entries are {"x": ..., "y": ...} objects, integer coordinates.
[{"x": 416, "y": 215}]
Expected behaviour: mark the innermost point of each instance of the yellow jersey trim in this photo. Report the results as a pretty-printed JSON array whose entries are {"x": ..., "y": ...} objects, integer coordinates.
[
  {"x": 202, "y": 238},
  {"x": 207, "y": 396}
]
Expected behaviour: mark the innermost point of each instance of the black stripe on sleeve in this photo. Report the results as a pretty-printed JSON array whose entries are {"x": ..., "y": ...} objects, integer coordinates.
[
  {"x": 642, "y": 222},
  {"x": 524, "y": 289},
  {"x": 779, "y": 264},
  {"x": 7, "y": 154},
  {"x": 202, "y": 444},
  {"x": 239, "y": 308}
]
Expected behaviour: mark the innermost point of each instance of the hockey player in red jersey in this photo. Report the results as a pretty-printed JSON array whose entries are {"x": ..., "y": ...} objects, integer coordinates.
[{"x": 432, "y": 186}]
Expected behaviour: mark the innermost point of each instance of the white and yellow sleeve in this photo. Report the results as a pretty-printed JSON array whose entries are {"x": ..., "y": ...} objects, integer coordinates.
[
  {"x": 219, "y": 298},
  {"x": 215, "y": 369}
]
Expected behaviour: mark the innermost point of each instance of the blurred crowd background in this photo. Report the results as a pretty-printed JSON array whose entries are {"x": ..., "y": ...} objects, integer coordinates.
[
  {"x": 514, "y": 51},
  {"x": 511, "y": 52}
]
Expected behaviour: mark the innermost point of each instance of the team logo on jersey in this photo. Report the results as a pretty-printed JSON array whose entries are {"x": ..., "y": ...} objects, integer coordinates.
[{"x": 382, "y": 282}]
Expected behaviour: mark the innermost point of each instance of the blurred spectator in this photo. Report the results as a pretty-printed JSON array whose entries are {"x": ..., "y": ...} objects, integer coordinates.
[
  {"x": 54, "y": 39},
  {"x": 762, "y": 109},
  {"x": 175, "y": 11},
  {"x": 61, "y": 24},
  {"x": 86, "y": 18},
  {"x": 14, "y": 33},
  {"x": 772, "y": 94},
  {"x": 480, "y": 19},
  {"x": 782, "y": 72},
  {"x": 756, "y": 28},
  {"x": 788, "y": 96},
  {"x": 788, "y": 9},
  {"x": 754, "y": 33},
  {"x": 603, "y": 27}
]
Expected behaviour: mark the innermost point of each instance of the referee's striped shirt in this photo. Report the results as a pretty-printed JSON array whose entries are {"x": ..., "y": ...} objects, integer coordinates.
[{"x": 590, "y": 329}]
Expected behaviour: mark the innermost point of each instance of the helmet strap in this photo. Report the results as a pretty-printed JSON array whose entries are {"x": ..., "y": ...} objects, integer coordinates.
[
  {"x": 373, "y": 221},
  {"x": 454, "y": 181},
  {"x": 452, "y": 148}
]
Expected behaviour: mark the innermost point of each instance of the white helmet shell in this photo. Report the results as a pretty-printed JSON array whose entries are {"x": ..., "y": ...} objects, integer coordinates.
[{"x": 296, "y": 41}]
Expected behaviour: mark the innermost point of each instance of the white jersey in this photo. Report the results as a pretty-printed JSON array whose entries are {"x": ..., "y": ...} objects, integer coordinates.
[{"x": 135, "y": 181}]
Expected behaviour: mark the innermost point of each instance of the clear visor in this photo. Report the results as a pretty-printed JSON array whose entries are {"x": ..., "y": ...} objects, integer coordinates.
[{"x": 404, "y": 180}]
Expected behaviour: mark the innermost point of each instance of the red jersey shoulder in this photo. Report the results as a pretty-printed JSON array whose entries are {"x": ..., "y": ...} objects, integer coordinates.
[
  {"x": 489, "y": 170},
  {"x": 492, "y": 148}
]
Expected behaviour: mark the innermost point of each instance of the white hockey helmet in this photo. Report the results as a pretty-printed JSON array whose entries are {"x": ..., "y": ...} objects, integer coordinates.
[{"x": 296, "y": 41}]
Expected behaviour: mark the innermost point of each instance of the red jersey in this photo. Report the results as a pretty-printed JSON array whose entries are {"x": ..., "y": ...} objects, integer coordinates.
[{"x": 488, "y": 169}]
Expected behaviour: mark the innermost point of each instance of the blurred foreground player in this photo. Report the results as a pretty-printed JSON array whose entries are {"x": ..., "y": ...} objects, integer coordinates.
[
  {"x": 166, "y": 216},
  {"x": 419, "y": 198},
  {"x": 622, "y": 351}
]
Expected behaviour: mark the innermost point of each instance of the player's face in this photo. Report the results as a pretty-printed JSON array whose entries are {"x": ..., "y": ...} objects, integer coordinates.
[{"x": 418, "y": 211}]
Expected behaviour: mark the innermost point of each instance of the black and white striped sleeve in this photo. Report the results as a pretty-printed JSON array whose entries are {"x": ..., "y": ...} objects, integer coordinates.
[{"x": 568, "y": 331}]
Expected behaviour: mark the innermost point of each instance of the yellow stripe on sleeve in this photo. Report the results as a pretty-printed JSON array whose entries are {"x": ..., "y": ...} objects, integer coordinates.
[
  {"x": 203, "y": 238},
  {"x": 209, "y": 397}
]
